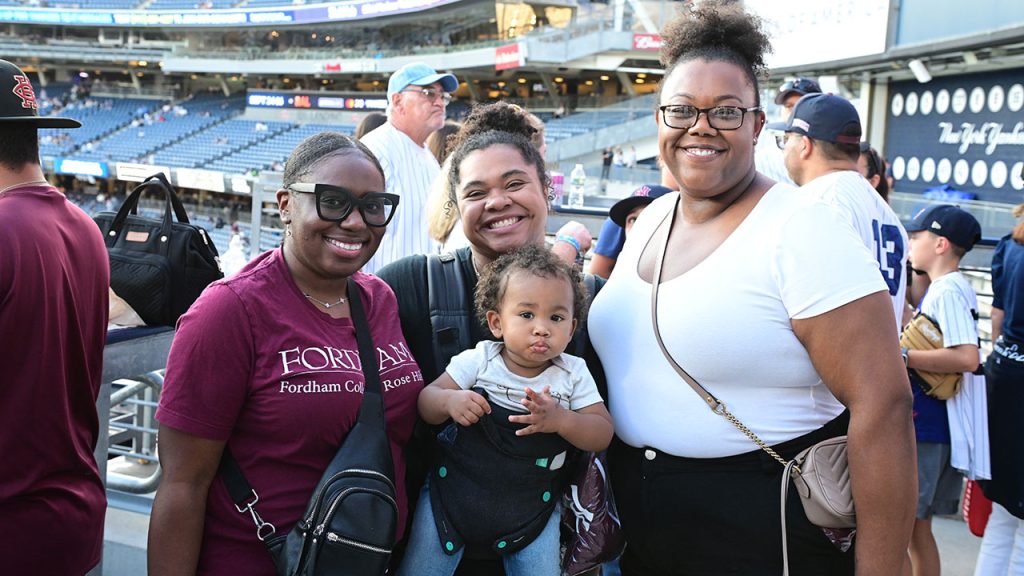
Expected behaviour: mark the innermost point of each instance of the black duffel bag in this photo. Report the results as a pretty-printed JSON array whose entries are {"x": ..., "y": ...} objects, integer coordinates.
[
  {"x": 159, "y": 266},
  {"x": 349, "y": 526}
]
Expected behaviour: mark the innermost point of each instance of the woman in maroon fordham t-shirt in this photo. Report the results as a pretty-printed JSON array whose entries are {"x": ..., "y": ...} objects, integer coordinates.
[{"x": 266, "y": 363}]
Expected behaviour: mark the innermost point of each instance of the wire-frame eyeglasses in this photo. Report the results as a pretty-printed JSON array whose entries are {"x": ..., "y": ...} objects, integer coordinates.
[{"x": 684, "y": 116}]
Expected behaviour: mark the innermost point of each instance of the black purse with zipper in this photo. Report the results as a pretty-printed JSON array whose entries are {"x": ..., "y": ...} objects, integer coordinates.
[{"x": 349, "y": 526}]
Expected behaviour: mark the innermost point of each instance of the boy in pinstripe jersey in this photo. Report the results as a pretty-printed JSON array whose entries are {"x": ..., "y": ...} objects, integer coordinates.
[{"x": 939, "y": 238}]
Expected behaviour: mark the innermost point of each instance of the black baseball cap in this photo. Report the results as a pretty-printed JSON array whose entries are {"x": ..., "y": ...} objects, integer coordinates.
[
  {"x": 824, "y": 117},
  {"x": 642, "y": 196},
  {"x": 800, "y": 85},
  {"x": 18, "y": 105},
  {"x": 948, "y": 221}
]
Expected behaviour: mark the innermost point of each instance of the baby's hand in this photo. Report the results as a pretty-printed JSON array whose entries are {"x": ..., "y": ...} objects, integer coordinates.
[
  {"x": 466, "y": 407},
  {"x": 545, "y": 415}
]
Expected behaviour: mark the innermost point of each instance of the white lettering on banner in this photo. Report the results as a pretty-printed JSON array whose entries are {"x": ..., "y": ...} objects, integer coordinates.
[
  {"x": 989, "y": 134},
  {"x": 342, "y": 12},
  {"x": 269, "y": 17},
  {"x": 647, "y": 42}
]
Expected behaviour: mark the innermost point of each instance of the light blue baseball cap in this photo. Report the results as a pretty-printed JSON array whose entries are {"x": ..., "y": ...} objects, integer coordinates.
[{"x": 419, "y": 74}]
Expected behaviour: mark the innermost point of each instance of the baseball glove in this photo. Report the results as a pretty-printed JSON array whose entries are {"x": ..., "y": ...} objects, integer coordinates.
[{"x": 923, "y": 333}]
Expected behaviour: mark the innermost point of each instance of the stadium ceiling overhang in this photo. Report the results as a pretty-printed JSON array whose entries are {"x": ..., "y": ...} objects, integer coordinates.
[
  {"x": 274, "y": 16},
  {"x": 999, "y": 49}
]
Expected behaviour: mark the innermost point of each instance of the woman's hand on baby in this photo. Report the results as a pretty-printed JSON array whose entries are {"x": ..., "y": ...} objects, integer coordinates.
[
  {"x": 546, "y": 414},
  {"x": 466, "y": 407}
]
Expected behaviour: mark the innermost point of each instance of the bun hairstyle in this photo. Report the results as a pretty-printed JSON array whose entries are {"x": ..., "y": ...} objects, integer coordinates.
[
  {"x": 490, "y": 125},
  {"x": 717, "y": 30}
]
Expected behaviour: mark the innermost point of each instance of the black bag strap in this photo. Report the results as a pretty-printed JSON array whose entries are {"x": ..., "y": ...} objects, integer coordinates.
[
  {"x": 450, "y": 309},
  {"x": 371, "y": 412},
  {"x": 172, "y": 206}
]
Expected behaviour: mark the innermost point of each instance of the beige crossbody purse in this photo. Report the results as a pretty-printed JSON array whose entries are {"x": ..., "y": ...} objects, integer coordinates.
[{"x": 820, "y": 473}]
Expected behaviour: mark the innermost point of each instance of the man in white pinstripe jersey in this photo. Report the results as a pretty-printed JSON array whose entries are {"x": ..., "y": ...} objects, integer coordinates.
[
  {"x": 821, "y": 146},
  {"x": 417, "y": 99}
]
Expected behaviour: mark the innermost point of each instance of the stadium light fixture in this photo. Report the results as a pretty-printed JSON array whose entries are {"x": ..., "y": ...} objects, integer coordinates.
[
  {"x": 521, "y": 80},
  {"x": 605, "y": 77},
  {"x": 589, "y": 82},
  {"x": 641, "y": 75},
  {"x": 143, "y": 63},
  {"x": 920, "y": 71},
  {"x": 559, "y": 79},
  {"x": 640, "y": 80}
]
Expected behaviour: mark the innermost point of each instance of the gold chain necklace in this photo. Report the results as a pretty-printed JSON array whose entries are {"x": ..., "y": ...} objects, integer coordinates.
[{"x": 324, "y": 304}]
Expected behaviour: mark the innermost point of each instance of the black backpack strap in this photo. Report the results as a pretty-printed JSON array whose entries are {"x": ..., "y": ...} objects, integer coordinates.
[
  {"x": 593, "y": 285},
  {"x": 450, "y": 311}
]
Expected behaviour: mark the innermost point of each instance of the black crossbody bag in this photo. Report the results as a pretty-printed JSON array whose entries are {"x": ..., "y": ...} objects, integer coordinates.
[{"x": 349, "y": 525}]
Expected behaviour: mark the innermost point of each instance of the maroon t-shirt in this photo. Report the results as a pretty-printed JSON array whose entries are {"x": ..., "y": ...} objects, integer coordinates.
[
  {"x": 54, "y": 277},
  {"x": 254, "y": 363}
]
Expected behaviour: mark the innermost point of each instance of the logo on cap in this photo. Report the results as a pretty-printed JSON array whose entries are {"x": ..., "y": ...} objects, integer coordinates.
[
  {"x": 801, "y": 124},
  {"x": 642, "y": 191},
  {"x": 23, "y": 90}
]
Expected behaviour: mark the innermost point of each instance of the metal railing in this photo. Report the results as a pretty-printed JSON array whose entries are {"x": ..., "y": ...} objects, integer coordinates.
[{"x": 133, "y": 433}]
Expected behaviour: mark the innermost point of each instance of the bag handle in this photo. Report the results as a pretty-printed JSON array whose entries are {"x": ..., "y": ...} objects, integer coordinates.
[
  {"x": 716, "y": 405},
  {"x": 131, "y": 204},
  {"x": 371, "y": 412}
]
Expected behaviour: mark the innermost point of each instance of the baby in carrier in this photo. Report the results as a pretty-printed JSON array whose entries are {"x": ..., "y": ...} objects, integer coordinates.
[{"x": 520, "y": 407}]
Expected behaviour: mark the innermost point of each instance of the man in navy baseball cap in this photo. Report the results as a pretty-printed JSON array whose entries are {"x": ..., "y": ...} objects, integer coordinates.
[
  {"x": 792, "y": 90},
  {"x": 820, "y": 122},
  {"x": 824, "y": 117}
]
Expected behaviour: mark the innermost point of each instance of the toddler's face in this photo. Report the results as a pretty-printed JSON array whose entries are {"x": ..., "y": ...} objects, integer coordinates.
[{"x": 535, "y": 321}]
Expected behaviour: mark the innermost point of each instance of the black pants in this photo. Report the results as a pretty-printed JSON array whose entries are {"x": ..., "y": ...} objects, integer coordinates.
[
  {"x": 717, "y": 516},
  {"x": 1005, "y": 379}
]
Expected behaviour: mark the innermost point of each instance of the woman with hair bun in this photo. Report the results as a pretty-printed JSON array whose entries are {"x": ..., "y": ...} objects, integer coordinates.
[
  {"x": 499, "y": 186},
  {"x": 775, "y": 308}
]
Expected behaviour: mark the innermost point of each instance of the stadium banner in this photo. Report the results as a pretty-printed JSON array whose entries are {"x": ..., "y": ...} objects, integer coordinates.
[
  {"x": 81, "y": 167},
  {"x": 200, "y": 179},
  {"x": 312, "y": 101},
  {"x": 647, "y": 42},
  {"x": 138, "y": 172},
  {"x": 964, "y": 131},
  {"x": 288, "y": 14},
  {"x": 509, "y": 57}
]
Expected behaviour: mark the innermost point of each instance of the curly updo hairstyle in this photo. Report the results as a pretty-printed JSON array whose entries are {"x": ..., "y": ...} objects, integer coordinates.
[
  {"x": 491, "y": 125},
  {"x": 717, "y": 30},
  {"x": 532, "y": 259}
]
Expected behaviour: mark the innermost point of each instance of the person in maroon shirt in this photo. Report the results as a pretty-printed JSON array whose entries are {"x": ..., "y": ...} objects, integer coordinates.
[
  {"x": 266, "y": 363},
  {"x": 54, "y": 281}
]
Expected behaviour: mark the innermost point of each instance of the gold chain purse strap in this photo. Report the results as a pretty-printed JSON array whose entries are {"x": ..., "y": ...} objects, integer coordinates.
[{"x": 716, "y": 405}]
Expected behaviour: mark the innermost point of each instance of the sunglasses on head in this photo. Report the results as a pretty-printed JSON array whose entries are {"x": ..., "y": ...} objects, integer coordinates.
[{"x": 334, "y": 203}]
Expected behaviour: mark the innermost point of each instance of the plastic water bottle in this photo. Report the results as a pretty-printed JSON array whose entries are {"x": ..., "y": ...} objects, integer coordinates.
[{"x": 577, "y": 185}]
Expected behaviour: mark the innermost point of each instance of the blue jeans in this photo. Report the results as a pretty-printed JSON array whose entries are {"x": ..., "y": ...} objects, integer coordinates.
[{"x": 424, "y": 556}]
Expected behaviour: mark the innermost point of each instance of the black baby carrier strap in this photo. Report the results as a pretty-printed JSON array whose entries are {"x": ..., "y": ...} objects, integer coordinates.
[
  {"x": 451, "y": 311},
  {"x": 494, "y": 489},
  {"x": 349, "y": 525}
]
